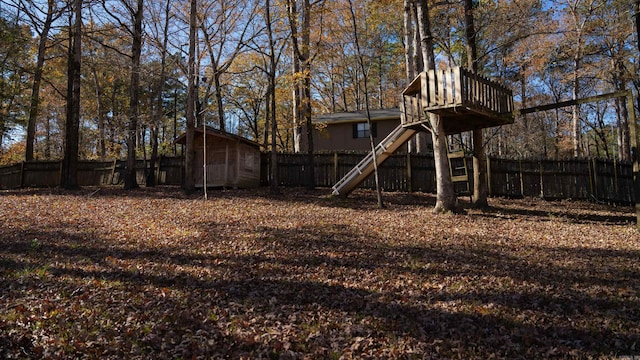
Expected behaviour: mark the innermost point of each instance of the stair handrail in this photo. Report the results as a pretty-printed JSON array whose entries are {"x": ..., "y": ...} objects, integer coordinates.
[{"x": 369, "y": 157}]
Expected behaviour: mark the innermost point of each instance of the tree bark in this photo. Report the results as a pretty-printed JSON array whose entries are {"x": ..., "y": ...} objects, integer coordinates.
[
  {"x": 446, "y": 200},
  {"x": 306, "y": 91},
  {"x": 189, "y": 155},
  {"x": 130, "y": 181},
  {"x": 480, "y": 188},
  {"x": 219, "y": 102},
  {"x": 69, "y": 173},
  {"x": 365, "y": 79},
  {"x": 37, "y": 79},
  {"x": 297, "y": 126},
  {"x": 102, "y": 149},
  {"x": 271, "y": 99},
  {"x": 158, "y": 109}
]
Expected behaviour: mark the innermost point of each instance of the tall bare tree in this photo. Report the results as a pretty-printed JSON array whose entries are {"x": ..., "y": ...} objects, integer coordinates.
[
  {"x": 136, "y": 12},
  {"x": 189, "y": 155},
  {"x": 162, "y": 41},
  {"x": 480, "y": 188},
  {"x": 270, "y": 115},
  {"x": 226, "y": 29},
  {"x": 446, "y": 200},
  {"x": 53, "y": 12},
  {"x": 69, "y": 172},
  {"x": 300, "y": 24},
  {"x": 365, "y": 77}
]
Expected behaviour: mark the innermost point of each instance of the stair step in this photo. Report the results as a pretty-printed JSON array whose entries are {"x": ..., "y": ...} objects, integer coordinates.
[{"x": 460, "y": 178}]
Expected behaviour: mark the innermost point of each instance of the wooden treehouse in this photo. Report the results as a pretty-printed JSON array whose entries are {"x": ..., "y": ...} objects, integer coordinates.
[{"x": 463, "y": 100}]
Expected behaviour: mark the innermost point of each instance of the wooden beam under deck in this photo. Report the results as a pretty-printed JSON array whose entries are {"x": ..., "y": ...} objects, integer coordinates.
[{"x": 457, "y": 120}]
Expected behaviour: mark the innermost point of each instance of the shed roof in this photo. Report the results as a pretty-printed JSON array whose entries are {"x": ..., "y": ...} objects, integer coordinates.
[
  {"x": 182, "y": 139},
  {"x": 359, "y": 116}
]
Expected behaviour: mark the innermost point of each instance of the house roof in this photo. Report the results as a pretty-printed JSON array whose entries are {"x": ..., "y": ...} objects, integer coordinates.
[
  {"x": 182, "y": 139},
  {"x": 359, "y": 116}
]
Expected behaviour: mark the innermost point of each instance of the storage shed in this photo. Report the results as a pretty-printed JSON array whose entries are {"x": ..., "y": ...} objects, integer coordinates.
[{"x": 232, "y": 161}]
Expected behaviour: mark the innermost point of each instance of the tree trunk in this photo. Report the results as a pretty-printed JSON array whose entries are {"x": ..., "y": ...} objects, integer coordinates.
[
  {"x": 69, "y": 173},
  {"x": 102, "y": 149},
  {"x": 189, "y": 180},
  {"x": 305, "y": 57},
  {"x": 297, "y": 126},
  {"x": 408, "y": 41},
  {"x": 219, "y": 102},
  {"x": 130, "y": 181},
  {"x": 271, "y": 101},
  {"x": 158, "y": 109},
  {"x": 37, "y": 79},
  {"x": 575, "y": 122},
  {"x": 47, "y": 139},
  {"x": 480, "y": 188},
  {"x": 365, "y": 79},
  {"x": 446, "y": 200}
]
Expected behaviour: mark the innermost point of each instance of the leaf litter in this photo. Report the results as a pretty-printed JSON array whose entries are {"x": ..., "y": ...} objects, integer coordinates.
[{"x": 154, "y": 273}]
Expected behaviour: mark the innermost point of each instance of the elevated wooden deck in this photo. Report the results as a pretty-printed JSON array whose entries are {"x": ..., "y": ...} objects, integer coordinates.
[{"x": 464, "y": 100}]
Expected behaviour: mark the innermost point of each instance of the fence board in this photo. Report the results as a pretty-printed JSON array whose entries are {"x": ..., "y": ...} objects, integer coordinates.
[{"x": 10, "y": 176}]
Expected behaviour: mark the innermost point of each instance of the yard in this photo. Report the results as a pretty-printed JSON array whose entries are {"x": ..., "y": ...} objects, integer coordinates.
[{"x": 153, "y": 273}]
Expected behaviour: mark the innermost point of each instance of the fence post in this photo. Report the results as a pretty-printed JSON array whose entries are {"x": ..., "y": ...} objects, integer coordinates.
[
  {"x": 595, "y": 179},
  {"x": 156, "y": 169},
  {"x": 521, "y": 179},
  {"x": 335, "y": 168},
  {"x": 409, "y": 173},
  {"x": 541, "y": 181},
  {"x": 113, "y": 171},
  {"x": 615, "y": 176},
  {"x": 489, "y": 176},
  {"x": 21, "y": 175},
  {"x": 60, "y": 173}
]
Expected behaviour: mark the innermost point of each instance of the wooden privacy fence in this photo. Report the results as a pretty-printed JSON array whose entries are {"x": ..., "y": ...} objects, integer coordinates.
[
  {"x": 169, "y": 171},
  {"x": 584, "y": 179}
]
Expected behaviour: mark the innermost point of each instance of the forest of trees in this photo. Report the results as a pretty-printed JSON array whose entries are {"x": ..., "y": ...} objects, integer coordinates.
[{"x": 263, "y": 67}]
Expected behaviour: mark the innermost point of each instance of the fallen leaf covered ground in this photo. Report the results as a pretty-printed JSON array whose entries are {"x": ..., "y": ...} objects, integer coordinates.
[{"x": 153, "y": 273}]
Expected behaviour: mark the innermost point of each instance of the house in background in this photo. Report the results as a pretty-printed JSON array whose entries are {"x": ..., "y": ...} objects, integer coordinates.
[
  {"x": 349, "y": 130},
  {"x": 232, "y": 161}
]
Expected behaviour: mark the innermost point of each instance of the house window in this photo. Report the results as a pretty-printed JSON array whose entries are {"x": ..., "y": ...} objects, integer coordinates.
[{"x": 361, "y": 130}]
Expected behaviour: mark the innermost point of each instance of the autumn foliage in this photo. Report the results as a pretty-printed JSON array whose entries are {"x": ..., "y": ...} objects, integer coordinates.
[{"x": 157, "y": 274}]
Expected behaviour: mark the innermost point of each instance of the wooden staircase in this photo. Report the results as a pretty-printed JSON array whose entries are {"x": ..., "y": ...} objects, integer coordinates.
[{"x": 364, "y": 168}]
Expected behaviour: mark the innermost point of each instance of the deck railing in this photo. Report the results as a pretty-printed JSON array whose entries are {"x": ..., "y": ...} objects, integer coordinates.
[{"x": 455, "y": 87}]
